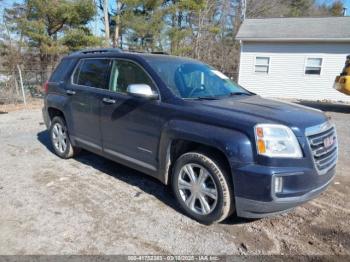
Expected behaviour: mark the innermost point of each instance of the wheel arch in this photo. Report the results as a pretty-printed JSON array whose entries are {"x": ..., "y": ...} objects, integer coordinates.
[
  {"x": 54, "y": 111},
  {"x": 233, "y": 148},
  {"x": 179, "y": 147}
]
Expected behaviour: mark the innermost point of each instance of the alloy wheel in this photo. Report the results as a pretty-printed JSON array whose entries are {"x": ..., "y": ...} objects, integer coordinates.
[
  {"x": 59, "y": 137},
  {"x": 197, "y": 188}
]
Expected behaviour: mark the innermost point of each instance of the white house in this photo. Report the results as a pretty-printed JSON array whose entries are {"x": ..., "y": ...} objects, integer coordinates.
[{"x": 294, "y": 57}]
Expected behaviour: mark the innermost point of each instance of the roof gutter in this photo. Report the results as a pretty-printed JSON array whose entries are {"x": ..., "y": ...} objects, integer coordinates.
[{"x": 254, "y": 39}]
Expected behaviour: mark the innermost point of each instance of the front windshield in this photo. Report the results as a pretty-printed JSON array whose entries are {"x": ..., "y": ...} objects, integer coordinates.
[{"x": 191, "y": 79}]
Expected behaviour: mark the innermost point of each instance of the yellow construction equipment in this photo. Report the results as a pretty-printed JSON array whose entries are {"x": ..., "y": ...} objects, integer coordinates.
[{"x": 342, "y": 82}]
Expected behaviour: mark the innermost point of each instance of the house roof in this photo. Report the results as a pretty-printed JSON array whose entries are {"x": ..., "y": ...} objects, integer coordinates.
[{"x": 322, "y": 29}]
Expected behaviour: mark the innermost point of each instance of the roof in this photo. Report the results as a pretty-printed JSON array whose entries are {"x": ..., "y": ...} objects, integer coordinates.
[
  {"x": 116, "y": 52},
  {"x": 109, "y": 51},
  {"x": 321, "y": 29}
]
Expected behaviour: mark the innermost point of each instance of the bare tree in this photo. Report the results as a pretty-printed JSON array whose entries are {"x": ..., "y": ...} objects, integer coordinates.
[{"x": 266, "y": 8}]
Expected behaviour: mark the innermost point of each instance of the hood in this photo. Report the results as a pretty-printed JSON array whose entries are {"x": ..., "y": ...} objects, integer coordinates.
[{"x": 255, "y": 109}]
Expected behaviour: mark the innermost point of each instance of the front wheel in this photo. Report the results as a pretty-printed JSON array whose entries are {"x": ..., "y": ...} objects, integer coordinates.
[{"x": 202, "y": 187}]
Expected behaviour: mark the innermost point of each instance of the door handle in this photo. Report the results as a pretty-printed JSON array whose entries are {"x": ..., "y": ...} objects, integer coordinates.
[
  {"x": 108, "y": 100},
  {"x": 70, "y": 92}
]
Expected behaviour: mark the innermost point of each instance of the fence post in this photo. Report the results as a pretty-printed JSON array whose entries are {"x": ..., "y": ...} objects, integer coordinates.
[
  {"x": 15, "y": 80},
  {"x": 21, "y": 80}
]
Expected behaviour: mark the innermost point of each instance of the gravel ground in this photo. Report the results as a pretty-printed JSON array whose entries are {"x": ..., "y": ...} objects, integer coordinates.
[{"x": 90, "y": 205}]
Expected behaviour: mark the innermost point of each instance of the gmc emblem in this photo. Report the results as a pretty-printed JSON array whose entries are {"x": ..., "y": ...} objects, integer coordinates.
[{"x": 328, "y": 142}]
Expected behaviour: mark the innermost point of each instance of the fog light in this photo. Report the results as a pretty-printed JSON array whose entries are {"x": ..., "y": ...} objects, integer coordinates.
[{"x": 278, "y": 184}]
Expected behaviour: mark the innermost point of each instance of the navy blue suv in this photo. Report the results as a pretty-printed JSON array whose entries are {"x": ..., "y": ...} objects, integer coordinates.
[{"x": 222, "y": 149}]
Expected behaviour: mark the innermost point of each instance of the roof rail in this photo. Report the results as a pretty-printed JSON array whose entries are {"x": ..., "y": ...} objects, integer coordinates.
[
  {"x": 97, "y": 50},
  {"x": 160, "y": 53},
  {"x": 146, "y": 52}
]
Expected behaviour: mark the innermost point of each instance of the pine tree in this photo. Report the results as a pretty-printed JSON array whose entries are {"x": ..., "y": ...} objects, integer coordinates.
[
  {"x": 143, "y": 21},
  {"x": 53, "y": 27}
]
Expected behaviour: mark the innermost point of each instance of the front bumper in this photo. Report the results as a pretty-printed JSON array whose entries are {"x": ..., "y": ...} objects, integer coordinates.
[{"x": 301, "y": 185}]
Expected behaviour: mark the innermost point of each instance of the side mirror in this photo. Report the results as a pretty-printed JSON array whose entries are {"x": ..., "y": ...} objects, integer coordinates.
[{"x": 142, "y": 91}]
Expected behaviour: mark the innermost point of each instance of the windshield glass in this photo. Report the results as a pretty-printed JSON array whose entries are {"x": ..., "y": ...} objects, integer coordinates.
[{"x": 191, "y": 79}]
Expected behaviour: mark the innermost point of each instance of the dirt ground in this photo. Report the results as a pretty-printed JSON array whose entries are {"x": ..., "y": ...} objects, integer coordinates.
[{"x": 90, "y": 205}]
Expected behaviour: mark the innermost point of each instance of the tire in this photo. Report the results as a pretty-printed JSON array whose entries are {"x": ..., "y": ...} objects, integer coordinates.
[
  {"x": 58, "y": 133},
  {"x": 218, "y": 181}
]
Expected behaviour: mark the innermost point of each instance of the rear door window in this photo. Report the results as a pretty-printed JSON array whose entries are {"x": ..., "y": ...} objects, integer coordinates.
[{"x": 93, "y": 73}]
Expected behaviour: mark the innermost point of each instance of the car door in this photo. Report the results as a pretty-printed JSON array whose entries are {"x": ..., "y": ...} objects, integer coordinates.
[
  {"x": 130, "y": 126},
  {"x": 89, "y": 78}
]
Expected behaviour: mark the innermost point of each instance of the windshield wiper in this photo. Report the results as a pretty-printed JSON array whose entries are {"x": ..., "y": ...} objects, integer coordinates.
[
  {"x": 239, "y": 94},
  {"x": 206, "y": 98}
]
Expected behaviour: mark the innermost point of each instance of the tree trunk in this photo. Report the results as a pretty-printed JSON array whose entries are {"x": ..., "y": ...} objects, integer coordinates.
[
  {"x": 106, "y": 21},
  {"x": 43, "y": 67},
  {"x": 116, "y": 36},
  {"x": 117, "y": 25}
]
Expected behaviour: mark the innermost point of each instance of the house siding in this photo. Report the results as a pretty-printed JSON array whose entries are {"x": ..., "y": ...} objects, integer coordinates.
[{"x": 286, "y": 77}]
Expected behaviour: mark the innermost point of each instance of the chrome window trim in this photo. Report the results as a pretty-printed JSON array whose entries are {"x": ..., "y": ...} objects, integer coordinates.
[
  {"x": 77, "y": 66},
  {"x": 107, "y": 90}
]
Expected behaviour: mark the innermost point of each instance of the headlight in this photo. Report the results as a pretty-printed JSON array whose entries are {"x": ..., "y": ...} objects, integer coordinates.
[{"x": 276, "y": 141}]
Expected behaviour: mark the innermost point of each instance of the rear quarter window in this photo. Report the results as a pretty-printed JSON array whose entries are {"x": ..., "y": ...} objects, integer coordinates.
[{"x": 61, "y": 70}]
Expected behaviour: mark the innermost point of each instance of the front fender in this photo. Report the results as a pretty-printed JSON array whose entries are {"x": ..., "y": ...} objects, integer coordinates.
[{"x": 235, "y": 145}]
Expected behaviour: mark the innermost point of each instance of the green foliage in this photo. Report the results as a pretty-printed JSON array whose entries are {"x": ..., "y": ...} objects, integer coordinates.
[
  {"x": 181, "y": 16},
  {"x": 53, "y": 27},
  {"x": 79, "y": 38},
  {"x": 202, "y": 29},
  {"x": 144, "y": 22},
  {"x": 190, "y": 5},
  {"x": 45, "y": 22}
]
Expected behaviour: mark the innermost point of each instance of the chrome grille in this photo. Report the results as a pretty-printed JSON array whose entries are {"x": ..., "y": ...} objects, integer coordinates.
[{"x": 324, "y": 146}]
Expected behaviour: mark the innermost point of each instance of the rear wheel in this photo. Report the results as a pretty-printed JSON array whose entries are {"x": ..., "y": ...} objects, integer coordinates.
[
  {"x": 60, "y": 138},
  {"x": 202, "y": 187}
]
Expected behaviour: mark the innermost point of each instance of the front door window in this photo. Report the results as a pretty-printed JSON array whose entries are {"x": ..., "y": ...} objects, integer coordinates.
[{"x": 125, "y": 73}]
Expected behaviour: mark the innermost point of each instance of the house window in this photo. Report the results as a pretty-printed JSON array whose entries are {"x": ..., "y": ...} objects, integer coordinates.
[
  {"x": 262, "y": 64},
  {"x": 313, "y": 66}
]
